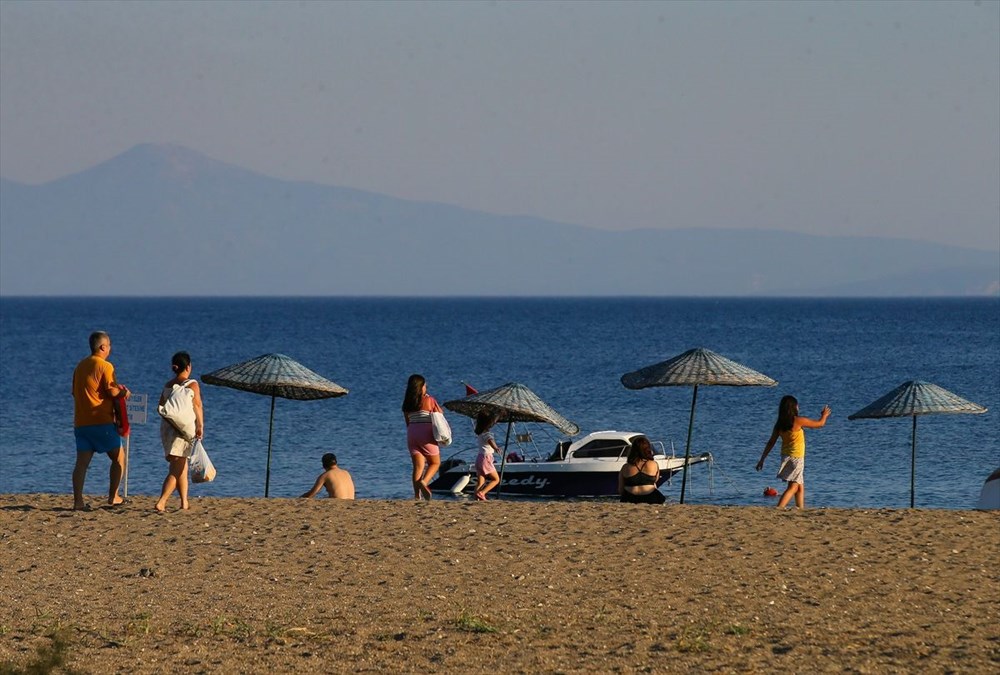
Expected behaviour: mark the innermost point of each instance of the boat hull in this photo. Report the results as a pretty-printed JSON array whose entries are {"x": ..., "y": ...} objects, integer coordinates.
[
  {"x": 989, "y": 496},
  {"x": 575, "y": 478}
]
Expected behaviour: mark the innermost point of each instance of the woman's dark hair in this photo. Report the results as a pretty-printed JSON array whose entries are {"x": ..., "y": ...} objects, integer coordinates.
[
  {"x": 414, "y": 392},
  {"x": 484, "y": 420},
  {"x": 786, "y": 413},
  {"x": 180, "y": 361},
  {"x": 641, "y": 450}
]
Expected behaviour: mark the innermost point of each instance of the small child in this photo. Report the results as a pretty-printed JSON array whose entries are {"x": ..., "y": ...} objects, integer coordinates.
[
  {"x": 486, "y": 472},
  {"x": 337, "y": 482}
]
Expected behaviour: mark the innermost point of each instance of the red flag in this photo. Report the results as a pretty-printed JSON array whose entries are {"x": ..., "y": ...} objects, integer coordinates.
[
  {"x": 469, "y": 390},
  {"x": 119, "y": 407}
]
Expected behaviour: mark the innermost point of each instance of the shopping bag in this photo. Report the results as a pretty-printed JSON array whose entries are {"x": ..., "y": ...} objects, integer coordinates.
[
  {"x": 442, "y": 430},
  {"x": 202, "y": 469}
]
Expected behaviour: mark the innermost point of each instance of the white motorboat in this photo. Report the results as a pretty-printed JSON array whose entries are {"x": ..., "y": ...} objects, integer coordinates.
[
  {"x": 587, "y": 467},
  {"x": 989, "y": 496}
]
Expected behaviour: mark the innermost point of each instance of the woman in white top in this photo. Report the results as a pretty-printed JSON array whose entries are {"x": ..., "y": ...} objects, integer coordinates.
[{"x": 175, "y": 447}]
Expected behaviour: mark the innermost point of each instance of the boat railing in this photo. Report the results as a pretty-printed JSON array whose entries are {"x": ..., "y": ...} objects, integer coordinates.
[
  {"x": 460, "y": 455},
  {"x": 659, "y": 448}
]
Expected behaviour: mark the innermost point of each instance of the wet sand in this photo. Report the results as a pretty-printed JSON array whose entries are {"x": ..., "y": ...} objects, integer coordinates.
[{"x": 248, "y": 585}]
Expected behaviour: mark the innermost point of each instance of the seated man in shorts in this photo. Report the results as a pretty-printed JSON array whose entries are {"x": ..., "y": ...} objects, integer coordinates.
[{"x": 94, "y": 389}]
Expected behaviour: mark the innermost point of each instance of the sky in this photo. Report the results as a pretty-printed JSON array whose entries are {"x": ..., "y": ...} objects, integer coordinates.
[{"x": 875, "y": 118}]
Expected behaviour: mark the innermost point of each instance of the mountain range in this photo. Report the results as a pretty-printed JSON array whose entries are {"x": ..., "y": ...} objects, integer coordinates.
[{"x": 163, "y": 220}]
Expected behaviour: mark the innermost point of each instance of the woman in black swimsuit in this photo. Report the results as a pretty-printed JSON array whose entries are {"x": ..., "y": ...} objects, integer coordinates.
[{"x": 637, "y": 479}]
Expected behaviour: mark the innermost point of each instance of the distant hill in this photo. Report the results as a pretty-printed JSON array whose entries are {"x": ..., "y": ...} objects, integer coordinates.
[{"x": 165, "y": 220}]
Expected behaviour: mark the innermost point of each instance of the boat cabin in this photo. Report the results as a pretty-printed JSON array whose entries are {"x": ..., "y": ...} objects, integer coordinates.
[{"x": 599, "y": 445}]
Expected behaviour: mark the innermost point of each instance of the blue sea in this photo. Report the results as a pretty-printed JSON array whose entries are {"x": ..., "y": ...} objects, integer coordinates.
[{"x": 571, "y": 352}]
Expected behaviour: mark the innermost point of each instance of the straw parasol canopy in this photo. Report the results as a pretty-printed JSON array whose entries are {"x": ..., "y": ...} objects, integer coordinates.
[
  {"x": 275, "y": 375},
  {"x": 911, "y": 399},
  {"x": 511, "y": 403},
  {"x": 694, "y": 368},
  {"x": 917, "y": 398}
]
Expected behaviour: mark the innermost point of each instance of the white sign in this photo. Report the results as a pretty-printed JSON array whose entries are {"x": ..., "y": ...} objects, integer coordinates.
[{"x": 136, "y": 407}]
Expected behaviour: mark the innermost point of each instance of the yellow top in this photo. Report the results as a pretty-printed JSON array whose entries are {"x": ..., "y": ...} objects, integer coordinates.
[
  {"x": 793, "y": 443},
  {"x": 91, "y": 398}
]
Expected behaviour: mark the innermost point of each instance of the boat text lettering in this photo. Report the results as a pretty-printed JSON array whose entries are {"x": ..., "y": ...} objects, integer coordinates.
[{"x": 530, "y": 481}]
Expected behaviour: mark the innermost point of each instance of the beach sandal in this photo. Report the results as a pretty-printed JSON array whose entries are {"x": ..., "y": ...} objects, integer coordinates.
[{"x": 480, "y": 496}]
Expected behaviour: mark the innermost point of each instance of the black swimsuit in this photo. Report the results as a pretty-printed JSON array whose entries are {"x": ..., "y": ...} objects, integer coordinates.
[{"x": 640, "y": 479}]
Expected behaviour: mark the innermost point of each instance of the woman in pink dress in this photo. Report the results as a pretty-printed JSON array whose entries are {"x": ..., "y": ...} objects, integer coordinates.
[{"x": 424, "y": 451}]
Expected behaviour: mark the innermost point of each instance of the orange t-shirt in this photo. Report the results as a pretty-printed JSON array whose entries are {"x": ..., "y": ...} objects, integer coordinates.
[{"x": 91, "y": 398}]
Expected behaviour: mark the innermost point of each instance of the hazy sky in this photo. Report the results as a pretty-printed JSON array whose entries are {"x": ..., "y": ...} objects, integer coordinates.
[{"x": 879, "y": 118}]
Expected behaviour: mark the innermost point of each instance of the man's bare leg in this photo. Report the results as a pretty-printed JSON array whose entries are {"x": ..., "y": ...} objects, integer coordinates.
[
  {"x": 116, "y": 473},
  {"x": 79, "y": 477}
]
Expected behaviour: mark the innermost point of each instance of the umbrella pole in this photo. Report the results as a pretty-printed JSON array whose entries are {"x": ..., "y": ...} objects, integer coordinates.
[
  {"x": 270, "y": 429},
  {"x": 913, "y": 463},
  {"x": 503, "y": 460},
  {"x": 687, "y": 448}
]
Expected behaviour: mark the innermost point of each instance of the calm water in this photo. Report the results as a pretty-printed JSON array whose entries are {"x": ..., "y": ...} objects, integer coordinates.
[{"x": 571, "y": 352}]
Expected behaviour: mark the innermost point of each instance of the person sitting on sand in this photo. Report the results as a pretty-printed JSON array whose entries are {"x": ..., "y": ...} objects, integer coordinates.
[
  {"x": 637, "y": 478},
  {"x": 790, "y": 428},
  {"x": 337, "y": 482}
]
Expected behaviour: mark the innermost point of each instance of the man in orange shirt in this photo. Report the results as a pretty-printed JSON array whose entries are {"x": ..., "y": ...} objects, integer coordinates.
[{"x": 94, "y": 389}]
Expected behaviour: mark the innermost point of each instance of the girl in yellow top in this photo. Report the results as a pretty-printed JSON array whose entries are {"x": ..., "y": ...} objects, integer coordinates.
[{"x": 789, "y": 428}]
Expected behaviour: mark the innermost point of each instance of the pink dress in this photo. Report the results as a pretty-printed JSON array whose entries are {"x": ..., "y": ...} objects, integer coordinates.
[
  {"x": 420, "y": 431},
  {"x": 484, "y": 460}
]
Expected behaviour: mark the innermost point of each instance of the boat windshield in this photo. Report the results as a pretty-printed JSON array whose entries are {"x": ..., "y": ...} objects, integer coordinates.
[
  {"x": 603, "y": 447},
  {"x": 560, "y": 451}
]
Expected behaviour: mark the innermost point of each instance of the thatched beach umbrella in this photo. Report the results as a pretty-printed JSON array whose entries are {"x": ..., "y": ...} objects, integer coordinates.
[
  {"x": 695, "y": 367},
  {"x": 511, "y": 403},
  {"x": 274, "y": 375},
  {"x": 917, "y": 398}
]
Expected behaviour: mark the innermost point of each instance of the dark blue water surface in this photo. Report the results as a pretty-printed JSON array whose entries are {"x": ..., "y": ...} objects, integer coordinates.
[{"x": 571, "y": 352}]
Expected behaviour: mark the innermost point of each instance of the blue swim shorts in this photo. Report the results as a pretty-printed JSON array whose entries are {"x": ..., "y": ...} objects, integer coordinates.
[{"x": 97, "y": 438}]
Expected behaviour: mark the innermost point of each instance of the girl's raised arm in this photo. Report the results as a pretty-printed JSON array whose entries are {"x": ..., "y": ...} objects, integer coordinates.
[{"x": 807, "y": 423}]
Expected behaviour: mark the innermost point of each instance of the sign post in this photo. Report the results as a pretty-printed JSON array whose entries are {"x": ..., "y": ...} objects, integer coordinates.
[{"x": 136, "y": 408}]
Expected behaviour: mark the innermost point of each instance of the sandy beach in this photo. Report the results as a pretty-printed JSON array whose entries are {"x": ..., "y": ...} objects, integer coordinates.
[{"x": 251, "y": 585}]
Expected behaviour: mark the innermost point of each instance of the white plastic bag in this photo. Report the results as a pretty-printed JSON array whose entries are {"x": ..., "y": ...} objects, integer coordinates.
[
  {"x": 178, "y": 409},
  {"x": 442, "y": 430},
  {"x": 202, "y": 469}
]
